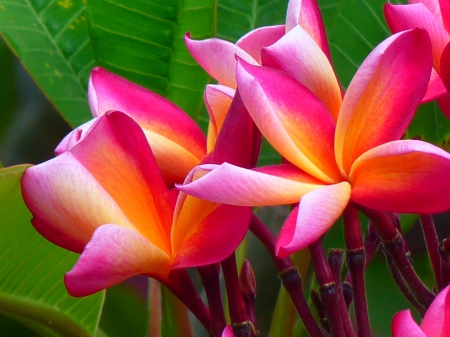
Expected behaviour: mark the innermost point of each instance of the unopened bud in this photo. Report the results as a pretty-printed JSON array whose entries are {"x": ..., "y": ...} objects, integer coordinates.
[{"x": 247, "y": 280}]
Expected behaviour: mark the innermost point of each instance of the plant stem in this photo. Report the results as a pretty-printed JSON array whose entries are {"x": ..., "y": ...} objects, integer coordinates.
[
  {"x": 289, "y": 276},
  {"x": 210, "y": 276},
  {"x": 328, "y": 289},
  {"x": 432, "y": 243},
  {"x": 356, "y": 262}
]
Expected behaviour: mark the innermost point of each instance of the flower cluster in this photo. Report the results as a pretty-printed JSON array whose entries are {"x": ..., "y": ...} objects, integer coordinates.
[{"x": 140, "y": 190}]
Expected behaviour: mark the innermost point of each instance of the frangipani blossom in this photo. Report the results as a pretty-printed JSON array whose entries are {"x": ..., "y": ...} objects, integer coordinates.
[
  {"x": 176, "y": 140},
  {"x": 434, "y": 16},
  {"x": 358, "y": 158},
  {"x": 105, "y": 198},
  {"x": 435, "y": 323}
]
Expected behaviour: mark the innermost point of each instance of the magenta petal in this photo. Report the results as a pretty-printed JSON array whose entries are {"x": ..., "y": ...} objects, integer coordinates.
[
  {"x": 444, "y": 104},
  {"x": 259, "y": 38},
  {"x": 436, "y": 321},
  {"x": 445, "y": 66},
  {"x": 113, "y": 255},
  {"x": 403, "y": 325},
  {"x": 306, "y": 13},
  {"x": 435, "y": 88},
  {"x": 316, "y": 213},
  {"x": 74, "y": 137},
  {"x": 218, "y": 58}
]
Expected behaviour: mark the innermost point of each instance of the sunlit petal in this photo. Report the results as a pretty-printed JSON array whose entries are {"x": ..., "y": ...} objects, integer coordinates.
[
  {"x": 300, "y": 56},
  {"x": 316, "y": 213},
  {"x": 113, "y": 255},
  {"x": 306, "y": 13},
  {"x": 259, "y": 38},
  {"x": 218, "y": 58},
  {"x": 403, "y": 325},
  {"x": 405, "y": 176},
  {"x": 217, "y": 100},
  {"x": 403, "y": 17},
  {"x": 229, "y": 184},
  {"x": 380, "y": 101},
  {"x": 177, "y": 141},
  {"x": 302, "y": 133}
]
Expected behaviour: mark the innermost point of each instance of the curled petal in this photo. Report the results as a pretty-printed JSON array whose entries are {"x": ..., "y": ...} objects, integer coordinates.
[
  {"x": 217, "y": 100},
  {"x": 259, "y": 38},
  {"x": 74, "y": 137},
  {"x": 403, "y": 17},
  {"x": 229, "y": 184},
  {"x": 306, "y": 13},
  {"x": 380, "y": 101},
  {"x": 177, "y": 141},
  {"x": 436, "y": 321},
  {"x": 436, "y": 87},
  {"x": 302, "y": 133},
  {"x": 299, "y": 55},
  {"x": 113, "y": 255},
  {"x": 403, "y": 325},
  {"x": 405, "y": 176},
  {"x": 218, "y": 58},
  {"x": 316, "y": 213}
]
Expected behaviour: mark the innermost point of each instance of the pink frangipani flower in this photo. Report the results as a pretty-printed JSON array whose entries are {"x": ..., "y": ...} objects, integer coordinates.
[
  {"x": 434, "y": 16},
  {"x": 435, "y": 323},
  {"x": 352, "y": 155}
]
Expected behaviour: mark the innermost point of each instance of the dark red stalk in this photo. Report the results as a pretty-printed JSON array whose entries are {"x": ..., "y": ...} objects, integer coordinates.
[
  {"x": 236, "y": 304},
  {"x": 248, "y": 287},
  {"x": 328, "y": 289},
  {"x": 289, "y": 276},
  {"x": 336, "y": 261},
  {"x": 210, "y": 276},
  {"x": 356, "y": 262},
  {"x": 444, "y": 251},
  {"x": 182, "y": 287},
  {"x": 432, "y": 243},
  {"x": 394, "y": 245}
]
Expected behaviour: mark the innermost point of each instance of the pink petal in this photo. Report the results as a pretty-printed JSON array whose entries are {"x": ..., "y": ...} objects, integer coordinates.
[
  {"x": 218, "y": 59},
  {"x": 436, "y": 321},
  {"x": 445, "y": 66},
  {"x": 403, "y": 17},
  {"x": 239, "y": 139},
  {"x": 405, "y": 176},
  {"x": 299, "y": 55},
  {"x": 229, "y": 184},
  {"x": 74, "y": 137},
  {"x": 176, "y": 140},
  {"x": 217, "y": 100},
  {"x": 403, "y": 325},
  {"x": 306, "y": 13},
  {"x": 228, "y": 332},
  {"x": 435, "y": 87},
  {"x": 205, "y": 233},
  {"x": 113, "y": 255},
  {"x": 317, "y": 212},
  {"x": 259, "y": 38},
  {"x": 380, "y": 101},
  {"x": 444, "y": 104},
  {"x": 302, "y": 133}
]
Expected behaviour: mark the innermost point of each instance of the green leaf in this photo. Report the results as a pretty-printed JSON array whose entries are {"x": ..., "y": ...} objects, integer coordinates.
[
  {"x": 50, "y": 38},
  {"x": 143, "y": 40},
  {"x": 237, "y": 18},
  {"x": 32, "y": 269}
]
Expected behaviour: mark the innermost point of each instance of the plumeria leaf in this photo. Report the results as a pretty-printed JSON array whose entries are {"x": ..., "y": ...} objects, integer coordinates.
[
  {"x": 32, "y": 269},
  {"x": 50, "y": 38},
  {"x": 237, "y": 18},
  {"x": 143, "y": 40}
]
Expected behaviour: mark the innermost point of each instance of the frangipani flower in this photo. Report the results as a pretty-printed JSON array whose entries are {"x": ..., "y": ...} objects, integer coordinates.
[
  {"x": 434, "y": 16},
  {"x": 176, "y": 140},
  {"x": 105, "y": 198},
  {"x": 435, "y": 323},
  {"x": 359, "y": 158}
]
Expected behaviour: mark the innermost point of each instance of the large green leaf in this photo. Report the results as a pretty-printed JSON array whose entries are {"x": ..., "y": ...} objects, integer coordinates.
[
  {"x": 50, "y": 39},
  {"x": 237, "y": 18},
  {"x": 32, "y": 269},
  {"x": 143, "y": 40}
]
